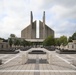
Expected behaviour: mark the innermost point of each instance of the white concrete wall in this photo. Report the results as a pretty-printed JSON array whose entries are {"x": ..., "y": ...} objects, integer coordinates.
[{"x": 71, "y": 46}]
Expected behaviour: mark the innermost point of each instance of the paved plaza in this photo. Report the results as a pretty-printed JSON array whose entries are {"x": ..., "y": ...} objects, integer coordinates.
[{"x": 37, "y": 64}]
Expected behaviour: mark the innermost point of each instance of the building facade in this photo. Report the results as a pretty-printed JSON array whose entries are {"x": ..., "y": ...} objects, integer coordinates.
[
  {"x": 71, "y": 45},
  {"x": 30, "y": 31},
  {"x": 44, "y": 30},
  {"x": 4, "y": 45}
]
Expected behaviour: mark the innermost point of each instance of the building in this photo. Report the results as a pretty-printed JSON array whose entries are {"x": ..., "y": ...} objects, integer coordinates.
[
  {"x": 44, "y": 30},
  {"x": 29, "y": 33},
  {"x": 71, "y": 45},
  {"x": 4, "y": 45}
]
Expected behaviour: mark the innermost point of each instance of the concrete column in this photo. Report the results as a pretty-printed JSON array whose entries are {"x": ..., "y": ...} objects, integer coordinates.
[
  {"x": 24, "y": 58},
  {"x": 27, "y": 56},
  {"x": 50, "y": 59},
  {"x": 44, "y": 24},
  {"x": 31, "y": 17},
  {"x": 74, "y": 62},
  {"x": 47, "y": 56}
]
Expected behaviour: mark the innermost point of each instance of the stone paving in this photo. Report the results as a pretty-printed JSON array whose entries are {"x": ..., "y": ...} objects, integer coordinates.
[{"x": 37, "y": 64}]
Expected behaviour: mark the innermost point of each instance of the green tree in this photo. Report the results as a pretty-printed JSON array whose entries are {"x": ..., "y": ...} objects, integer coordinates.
[
  {"x": 57, "y": 42},
  {"x": 74, "y": 36},
  {"x": 49, "y": 41},
  {"x": 10, "y": 42},
  {"x": 70, "y": 39},
  {"x": 23, "y": 43},
  {"x": 63, "y": 40},
  {"x": 12, "y": 35},
  {"x": 28, "y": 43},
  {"x": 16, "y": 42}
]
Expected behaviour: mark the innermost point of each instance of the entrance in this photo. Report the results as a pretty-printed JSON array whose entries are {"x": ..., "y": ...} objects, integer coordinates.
[{"x": 37, "y": 44}]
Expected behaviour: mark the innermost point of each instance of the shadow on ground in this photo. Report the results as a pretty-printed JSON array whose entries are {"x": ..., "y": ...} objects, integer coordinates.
[{"x": 33, "y": 61}]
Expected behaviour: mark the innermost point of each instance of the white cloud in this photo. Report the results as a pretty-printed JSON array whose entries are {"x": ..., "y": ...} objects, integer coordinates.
[
  {"x": 66, "y": 3},
  {"x": 15, "y": 15},
  {"x": 65, "y": 28},
  {"x": 61, "y": 8},
  {"x": 58, "y": 11}
]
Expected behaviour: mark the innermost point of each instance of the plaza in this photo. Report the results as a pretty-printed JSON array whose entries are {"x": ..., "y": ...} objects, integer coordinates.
[
  {"x": 37, "y": 37},
  {"x": 24, "y": 63}
]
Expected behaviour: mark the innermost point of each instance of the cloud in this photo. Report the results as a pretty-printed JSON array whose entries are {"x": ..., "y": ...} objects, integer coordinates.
[
  {"x": 60, "y": 8},
  {"x": 13, "y": 18},
  {"x": 65, "y": 28},
  {"x": 66, "y": 3},
  {"x": 63, "y": 16},
  {"x": 15, "y": 15}
]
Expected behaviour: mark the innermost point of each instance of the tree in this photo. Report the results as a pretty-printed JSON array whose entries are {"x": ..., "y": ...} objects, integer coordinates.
[
  {"x": 10, "y": 42},
  {"x": 70, "y": 39},
  {"x": 57, "y": 42},
  {"x": 28, "y": 43},
  {"x": 63, "y": 40},
  {"x": 12, "y": 35},
  {"x": 4, "y": 40},
  {"x": 16, "y": 42},
  {"x": 23, "y": 43},
  {"x": 74, "y": 36},
  {"x": 49, "y": 41}
]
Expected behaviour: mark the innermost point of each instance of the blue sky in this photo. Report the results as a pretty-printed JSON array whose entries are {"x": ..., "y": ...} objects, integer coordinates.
[{"x": 15, "y": 15}]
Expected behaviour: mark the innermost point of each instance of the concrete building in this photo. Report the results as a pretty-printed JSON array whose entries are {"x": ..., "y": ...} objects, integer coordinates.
[
  {"x": 44, "y": 33},
  {"x": 71, "y": 45},
  {"x": 4, "y": 45},
  {"x": 44, "y": 30},
  {"x": 29, "y": 33}
]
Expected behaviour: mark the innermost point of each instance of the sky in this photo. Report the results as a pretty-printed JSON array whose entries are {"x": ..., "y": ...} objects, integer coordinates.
[{"x": 15, "y": 16}]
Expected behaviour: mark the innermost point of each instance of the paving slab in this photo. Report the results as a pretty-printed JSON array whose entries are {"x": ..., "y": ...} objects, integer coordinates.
[{"x": 61, "y": 64}]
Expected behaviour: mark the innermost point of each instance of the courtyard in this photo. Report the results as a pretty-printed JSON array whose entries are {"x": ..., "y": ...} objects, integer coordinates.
[{"x": 37, "y": 64}]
